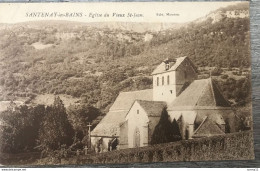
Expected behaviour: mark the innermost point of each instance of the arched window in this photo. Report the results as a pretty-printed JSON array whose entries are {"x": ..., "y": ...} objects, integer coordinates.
[
  {"x": 168, "y": 80},
  {"x": 157, "y": 81},
  {"x": 163, "y": 80}
]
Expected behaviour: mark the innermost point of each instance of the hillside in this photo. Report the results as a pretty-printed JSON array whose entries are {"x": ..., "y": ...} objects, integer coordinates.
[{"x": 94, "y": 63}]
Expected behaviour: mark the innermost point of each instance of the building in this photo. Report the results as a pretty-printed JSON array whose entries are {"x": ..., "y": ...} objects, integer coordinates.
[
  {"x": 139, "y": 123},
  {"x": 197, "y": 105},
  {"x": 171, "y": 77},
  {"x": 108, "y": 129}
]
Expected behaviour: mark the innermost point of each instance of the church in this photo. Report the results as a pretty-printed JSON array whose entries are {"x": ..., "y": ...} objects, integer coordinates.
[{"x": 198, "y": 106}]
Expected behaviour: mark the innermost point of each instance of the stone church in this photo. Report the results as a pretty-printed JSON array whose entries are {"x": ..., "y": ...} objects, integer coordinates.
[{"x": 197, "y": 105}]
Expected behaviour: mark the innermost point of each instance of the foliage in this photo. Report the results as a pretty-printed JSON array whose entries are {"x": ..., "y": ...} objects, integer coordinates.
[
  {"x": 47, "y": 129},
  {"x": 80, "y": 116},
  {"x": 216, "y": 72},
  {"x": 109, "y": 61},
  {"x": 165, "y": 131},
  {"x": 21, "y": 127},
  {"x": 220, "y": 147},
  {"x": 224, "y": 76},
  {"x": 55, "y": 128},
  {"x": 238, "y": 90},
  {"x": 176, "y": 131}
]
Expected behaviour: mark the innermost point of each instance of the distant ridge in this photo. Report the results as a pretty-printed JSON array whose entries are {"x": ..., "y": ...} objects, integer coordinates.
[{"x": 128, "y": 26}]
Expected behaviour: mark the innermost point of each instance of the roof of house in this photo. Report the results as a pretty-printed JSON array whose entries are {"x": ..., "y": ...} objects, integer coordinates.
[
  {"x": 207, "y": 128},
  {"x": 217, "y": 118},
  {"x": 173, "y": 64},
  {"x": 125, "y": 99},
  {"x": 109, "y": 125},
  {"x": 200, "y": 93},
  {"x": 152, "y": 108}
]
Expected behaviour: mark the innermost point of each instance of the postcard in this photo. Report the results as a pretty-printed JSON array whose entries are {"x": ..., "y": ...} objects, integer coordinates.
[{"x": 125, "y": 82}]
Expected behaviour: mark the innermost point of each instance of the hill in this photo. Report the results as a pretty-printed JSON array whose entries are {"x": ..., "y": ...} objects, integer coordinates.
[{"x": 94, "y": 63}]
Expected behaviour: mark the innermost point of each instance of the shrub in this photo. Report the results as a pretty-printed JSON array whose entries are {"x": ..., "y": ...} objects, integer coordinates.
[
  {"x": 55, "y": 128},
  {"x": 216, "y": 72},
  {"x": 165, "y": 131},
  {"x": 224, "y": 76}
]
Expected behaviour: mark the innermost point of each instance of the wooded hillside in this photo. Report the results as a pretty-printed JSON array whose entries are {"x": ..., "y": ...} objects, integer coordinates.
[{"x": 95, "y": 64}]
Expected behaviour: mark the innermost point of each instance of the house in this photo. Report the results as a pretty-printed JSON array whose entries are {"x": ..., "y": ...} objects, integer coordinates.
[{"x": 197, "y": 105}]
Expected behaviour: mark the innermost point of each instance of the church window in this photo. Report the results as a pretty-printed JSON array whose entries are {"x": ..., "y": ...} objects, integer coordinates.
[
  {"x": 168, "y": 80},
  {"x": 157, "y": 81},
  {"x": 162, "y": 80},
  {"x": 137, "y": 111}
]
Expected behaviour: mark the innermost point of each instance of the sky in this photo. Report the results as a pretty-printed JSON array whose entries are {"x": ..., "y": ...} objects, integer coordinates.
[{"x": 150, "y": 11}]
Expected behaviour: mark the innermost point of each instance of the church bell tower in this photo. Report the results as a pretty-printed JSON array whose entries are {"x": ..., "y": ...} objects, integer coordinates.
[{"x": 171, "y": 77}]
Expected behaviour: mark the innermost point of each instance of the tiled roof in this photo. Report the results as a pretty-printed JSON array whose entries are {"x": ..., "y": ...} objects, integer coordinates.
[
  {"x": 109, "y": 125},
  {"x": 172, "y": 64},
  {"x": 217, "y": 118},
  {"x": 207, "y": 128},
  {"x": 200, "y": 93},
  {"x": 125, "y": 99},
  {"x": 152, "y": 108}
]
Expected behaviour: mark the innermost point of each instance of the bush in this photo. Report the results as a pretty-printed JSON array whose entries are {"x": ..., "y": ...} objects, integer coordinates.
[
  {"x": 165, "y": 131},
  {"x": 216, "y": 72},
  {"x": 224, "y": 76},
  {"x": 55, "y": 128},
  {"x": 22, "y": 128}
]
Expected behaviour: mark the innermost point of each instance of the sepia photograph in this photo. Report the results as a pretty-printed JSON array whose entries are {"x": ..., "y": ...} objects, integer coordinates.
[{"x": 119, "y": 83}]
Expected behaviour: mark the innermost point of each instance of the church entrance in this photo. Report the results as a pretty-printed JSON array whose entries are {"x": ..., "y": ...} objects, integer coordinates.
[{"x": 136, "y": 138}]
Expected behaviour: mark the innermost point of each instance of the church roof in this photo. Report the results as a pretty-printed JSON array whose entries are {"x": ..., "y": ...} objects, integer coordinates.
[
  {"x": 173, "y": 64},
  {"x": 207, "y": 128},
  {"x": 125, "y": 100},
  {"x": 152, "y": 108},
  {"x": 202, "y": 93},
  {"x": 109, "y": 125},
  {"x": 217, "y": 118}
]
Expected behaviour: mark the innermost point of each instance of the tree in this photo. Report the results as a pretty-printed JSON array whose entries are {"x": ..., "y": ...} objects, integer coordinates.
[
  {"x": 216, "y": 72},
  {"x": 10, "y": 130},
  {"x": 55, "y": 129},
  {"x": 20, "y": 128},
  {"x": 176, "y": 131},
  {"x": 79, "y": 116},
  {"x": 165, "y": 131}
]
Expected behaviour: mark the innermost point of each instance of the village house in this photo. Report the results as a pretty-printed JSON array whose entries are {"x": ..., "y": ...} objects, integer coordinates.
[{"x": 197, "y": 105}]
